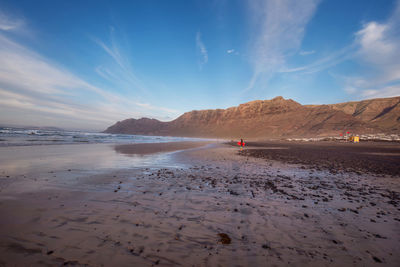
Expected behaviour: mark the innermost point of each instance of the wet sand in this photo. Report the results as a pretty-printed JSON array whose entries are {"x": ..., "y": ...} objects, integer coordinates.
[
  {"x": 22, "y": 160},
  {"x": 151, "y": 148},
  {"x": 175, "y": 213}
]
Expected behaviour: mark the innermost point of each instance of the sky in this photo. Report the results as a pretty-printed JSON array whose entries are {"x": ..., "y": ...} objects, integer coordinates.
[{"x": 88, "y": 64}]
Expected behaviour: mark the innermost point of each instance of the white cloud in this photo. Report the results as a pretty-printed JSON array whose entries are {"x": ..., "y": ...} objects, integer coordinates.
[
  {"x": 379, "y": 51},
  {"x": 9, "y": 24},
  {"x": 202, "y": 49},
  {"x": 376, "y": 44},
  {"x": 380, "y": 48},
  {"x": 280, "y": 27},
  {"x": 230, "y": 51},
  {"x": 387, "y": 91},
  {"x": 306, "y": 53},
  {"x": 376, "y": 48},
  {"x": 32, "y": 88}
]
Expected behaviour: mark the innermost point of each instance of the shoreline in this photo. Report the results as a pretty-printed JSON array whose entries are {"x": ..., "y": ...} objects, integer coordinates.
[{"x": 272, "y": 212}]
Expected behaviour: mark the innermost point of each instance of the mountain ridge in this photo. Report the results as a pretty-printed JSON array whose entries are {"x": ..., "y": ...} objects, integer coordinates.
[{"x": 274, "y": 118}]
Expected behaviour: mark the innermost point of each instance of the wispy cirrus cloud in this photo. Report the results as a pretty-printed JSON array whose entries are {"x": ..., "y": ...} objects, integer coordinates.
[
  {"x": 32, "y": 83},
  {"x": 201, "y": 48},
  {"x": 119, "y": 71},
  {"x": 35, "y": 90},
  {"x": 280, "y": 27},
  {"x": 306, "y": 53},
  {"x": 323, "y": 63},
  {"x": 8, "y": 23}
]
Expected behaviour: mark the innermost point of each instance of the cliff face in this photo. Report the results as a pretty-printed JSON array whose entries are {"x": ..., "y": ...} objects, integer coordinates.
[
  {"x": 380, "y": 112},
  {"x": 274, "y": 118}
]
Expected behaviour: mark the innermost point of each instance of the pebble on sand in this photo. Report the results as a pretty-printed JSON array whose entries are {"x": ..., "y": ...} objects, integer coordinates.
[{"x": 224, "y": 238}]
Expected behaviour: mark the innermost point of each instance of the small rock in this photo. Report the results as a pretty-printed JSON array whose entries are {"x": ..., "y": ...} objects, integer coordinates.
[
  {"x": 266, "y": 246},
  {"x": 355, "y": 211},
  {"x": 376, "y": 259},
  {"x": 233, "y": 193},
  {"x": 224, "y": 238}
]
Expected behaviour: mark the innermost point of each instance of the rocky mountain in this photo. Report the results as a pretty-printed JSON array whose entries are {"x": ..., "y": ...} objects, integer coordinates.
[
  {"x": 274, "y": 118},
  {"x": 143, "y": 126},
  {"x": 380, "y": 112}
]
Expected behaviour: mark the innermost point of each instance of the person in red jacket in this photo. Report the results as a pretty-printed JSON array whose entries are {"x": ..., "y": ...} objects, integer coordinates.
[{"x": 241, "y": 144}]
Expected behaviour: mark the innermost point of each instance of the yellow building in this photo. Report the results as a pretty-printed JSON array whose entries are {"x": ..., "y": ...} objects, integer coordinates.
[{"x": 355, "y": 139}]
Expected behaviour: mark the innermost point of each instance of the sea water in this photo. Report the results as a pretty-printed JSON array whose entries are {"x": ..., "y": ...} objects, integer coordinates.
[
  {"x": 10, "y": 136},
  {"x": 33, "y": 151}
]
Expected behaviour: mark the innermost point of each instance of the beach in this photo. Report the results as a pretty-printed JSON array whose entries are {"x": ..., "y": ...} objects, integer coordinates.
[{"x": 199, "y": 204}]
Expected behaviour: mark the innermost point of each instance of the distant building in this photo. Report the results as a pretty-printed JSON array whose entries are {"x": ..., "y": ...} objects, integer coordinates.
[{"x": 354, "y": 139}]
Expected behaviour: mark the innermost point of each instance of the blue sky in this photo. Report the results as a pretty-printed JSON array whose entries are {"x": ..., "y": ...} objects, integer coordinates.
[{"x": 88, "y": 64}]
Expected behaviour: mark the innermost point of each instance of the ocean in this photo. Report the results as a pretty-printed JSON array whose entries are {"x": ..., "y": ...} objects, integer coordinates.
[{"x": 11, "y": 136}]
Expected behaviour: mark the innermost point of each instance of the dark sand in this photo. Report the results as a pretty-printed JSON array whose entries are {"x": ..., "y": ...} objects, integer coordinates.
[
  {"x": 211, "y": 207},
  {"x": 379, "y": 158}
]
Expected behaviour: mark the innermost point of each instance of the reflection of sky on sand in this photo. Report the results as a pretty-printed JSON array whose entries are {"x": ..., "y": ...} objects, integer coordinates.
[{"x": 20, "y": 160}]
